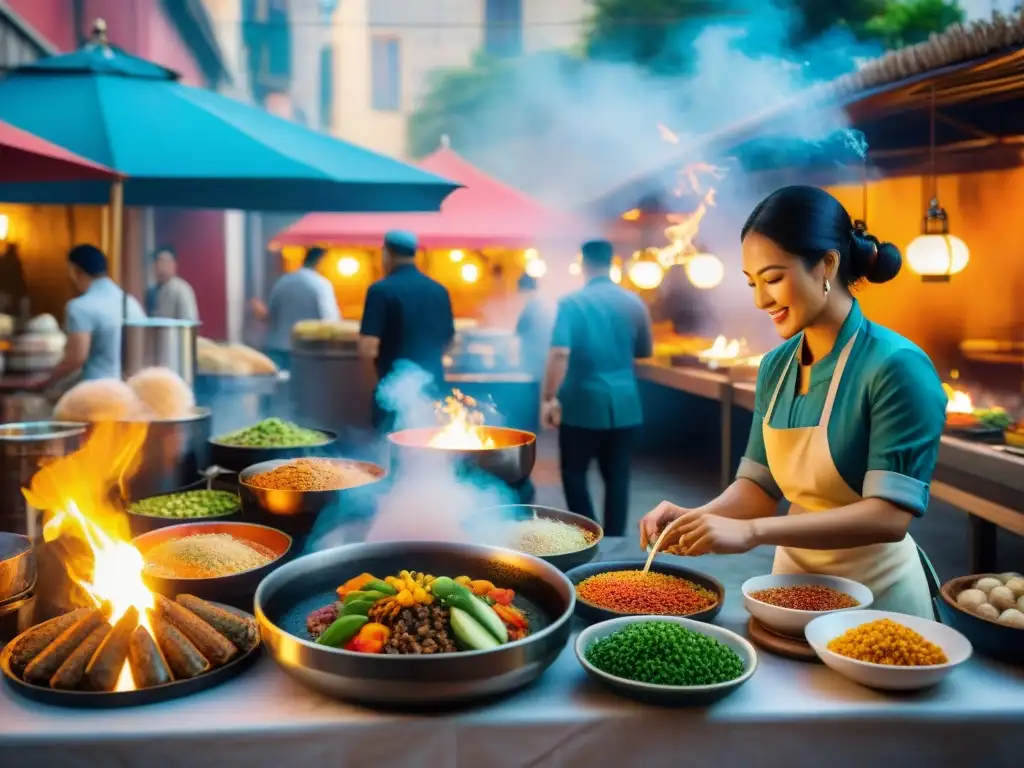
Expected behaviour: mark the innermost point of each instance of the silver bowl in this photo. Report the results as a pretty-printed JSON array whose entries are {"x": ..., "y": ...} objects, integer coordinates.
[
  {"x": 423, "y": 682},
  {"x": 17, "y": 566},
  {"x": 485, "y": 526},
  {"x": 511, "y": 460}
]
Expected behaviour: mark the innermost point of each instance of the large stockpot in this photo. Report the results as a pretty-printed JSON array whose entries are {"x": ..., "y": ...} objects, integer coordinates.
[
  {"x": 414, "y": 681},
  {"x": 511, "y": 460},
  {"x": 159, "y": 342},
  {"x": 22, "y": 446}
]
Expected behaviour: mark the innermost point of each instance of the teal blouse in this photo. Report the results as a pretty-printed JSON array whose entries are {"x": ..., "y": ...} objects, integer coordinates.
[{"x": 886, "y": 423}]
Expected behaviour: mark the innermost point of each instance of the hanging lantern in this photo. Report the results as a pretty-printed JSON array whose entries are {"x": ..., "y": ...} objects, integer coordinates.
[
  {"x": 645, "y": 273},
  {"x": 935, "y": 254},
  {"x": 348, "y": 266},
  {"x": 536, "y": 268},
  {"x": 456, "y": 256},
  {"x": 469, "y": 272},
  {"x": 705, "y": 270}
]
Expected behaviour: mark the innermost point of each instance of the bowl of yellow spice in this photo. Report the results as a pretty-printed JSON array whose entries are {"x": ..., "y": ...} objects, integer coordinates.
[{"x": 890, "y": 651}]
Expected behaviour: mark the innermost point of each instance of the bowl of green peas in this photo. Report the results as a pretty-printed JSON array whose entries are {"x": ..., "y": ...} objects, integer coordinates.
[
  {"x": 268, "y": 440},
  {"x": 192, "y": 504}
]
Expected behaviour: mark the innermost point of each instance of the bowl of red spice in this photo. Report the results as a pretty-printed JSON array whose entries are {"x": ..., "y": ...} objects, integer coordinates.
[
  {"x": 786, "y": 603},
  {"x": 608, "y": 590}
]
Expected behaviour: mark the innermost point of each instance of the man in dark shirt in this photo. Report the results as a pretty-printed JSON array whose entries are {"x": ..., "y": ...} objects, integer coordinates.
[{"x": 407, "y": 316}]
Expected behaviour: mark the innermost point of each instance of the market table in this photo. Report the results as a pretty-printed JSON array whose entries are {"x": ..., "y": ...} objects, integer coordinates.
[{"x": 790, "y": 713}]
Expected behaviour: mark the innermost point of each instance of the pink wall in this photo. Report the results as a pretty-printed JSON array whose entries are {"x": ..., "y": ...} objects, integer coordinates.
[{"x": 50, "y": 18}]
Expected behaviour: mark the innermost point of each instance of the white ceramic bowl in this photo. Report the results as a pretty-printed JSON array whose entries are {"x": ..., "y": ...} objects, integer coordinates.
[
  {"x": 667, "y": 694},
  {"x": 830, "y": 626},
  {"x": 789, "y": 621}
]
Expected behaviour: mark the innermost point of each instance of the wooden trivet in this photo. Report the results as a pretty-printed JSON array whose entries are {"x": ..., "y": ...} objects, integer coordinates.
[{"x": 790, "y": 647}]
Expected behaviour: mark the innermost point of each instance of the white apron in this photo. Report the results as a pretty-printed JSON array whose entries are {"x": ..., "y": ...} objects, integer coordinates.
[{"x": 801, "y": 464}]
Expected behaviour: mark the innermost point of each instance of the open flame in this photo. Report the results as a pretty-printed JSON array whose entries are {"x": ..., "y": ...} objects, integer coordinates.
[
  {"x": 91, "y": 530},
  {"x": 722, "y": 349},
  {"x": 959, "y": 401},
  {"x": 464, "y": 430}
]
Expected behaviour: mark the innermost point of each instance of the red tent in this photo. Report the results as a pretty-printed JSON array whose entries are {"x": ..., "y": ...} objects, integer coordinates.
[
  {"x": 485, "y": 213},
  {"x": 24, "y": 157}
]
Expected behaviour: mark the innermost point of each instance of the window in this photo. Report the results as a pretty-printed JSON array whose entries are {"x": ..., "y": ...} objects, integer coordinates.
[
  {"x": 503, "y": 28},
  {"x": 385, "y": 74},
  {"x": 326, "y": 88}
]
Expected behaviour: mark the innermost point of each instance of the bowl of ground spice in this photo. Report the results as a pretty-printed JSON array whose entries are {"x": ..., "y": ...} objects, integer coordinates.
[
  {"x": 889, "y": 651},
  {"x": 220, "y": 561},
  {"x": 668, "y": 660},
  {"x": 609, "y": 590},
  {"x": 786, "y": 603}
]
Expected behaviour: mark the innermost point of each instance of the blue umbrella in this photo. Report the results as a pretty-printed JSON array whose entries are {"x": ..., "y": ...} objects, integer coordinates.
[{"x": 188, "y": 147}]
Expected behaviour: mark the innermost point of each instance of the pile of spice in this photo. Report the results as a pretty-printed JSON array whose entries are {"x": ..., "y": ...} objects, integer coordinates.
[
  {"x": 805, "y": 597},
  {"x": 313, "y": 475},
  {"x": 205, "y": 556},
  {"x": 273, "y": 433},
  {"x": 636, "y": 592},
  {"x": 663, "y": 653},
  {"x": 542, "y": 537},
  {"x": 887, "y": 642}
]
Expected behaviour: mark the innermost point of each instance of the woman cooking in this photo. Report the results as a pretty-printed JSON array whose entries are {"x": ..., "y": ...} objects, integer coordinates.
[{"x": 847, "y": 421}]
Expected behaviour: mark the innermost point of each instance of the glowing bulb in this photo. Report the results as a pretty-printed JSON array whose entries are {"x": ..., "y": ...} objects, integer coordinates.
[
  {"x": 456, "y": 256},
  {"x": 348, "y": 266},
  {"x": 530, "y": 254},
  {"x": 705, "y": 270},
  {"x": 470, "y": 273},
  {"x": 646, "y": 275},
  {"x": 536, "y": 268},
  {"x": 615, "y": 273},
  {"x": 575, "y": 268},
  {"x": 937, "y": 256},
  {"x": 5, "y": 226}
]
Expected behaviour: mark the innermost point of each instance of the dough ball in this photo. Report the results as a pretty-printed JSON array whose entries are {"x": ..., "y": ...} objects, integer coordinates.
[
  {"x": 1020, "y": 603},
  {"x": 970, "y": 599},
  {"x": 986, "y": 611},
  {"x": 987, "y": 584},
  {"x": 1012, "y": 618},
  {"x": 1016, "y": 585},
  {"x": 1005, "y": 577},
  {"x": 100, "y": 400},
  {"x": 1001, "y": 598},
  {"x": 164, "y": 392}
]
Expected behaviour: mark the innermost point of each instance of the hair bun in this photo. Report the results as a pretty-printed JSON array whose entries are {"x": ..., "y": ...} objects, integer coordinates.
[{"x": 872, "y": 260}]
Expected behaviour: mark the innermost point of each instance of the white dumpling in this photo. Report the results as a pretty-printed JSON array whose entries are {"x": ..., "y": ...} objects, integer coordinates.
[
  {"x": 986, "y": 611},
  {"x": 970, "y": 599},
  {"x": 1001, "y": 598},
  {"x": 1012, "y": 618},
  {"x": 1016, "y": 585},
  {"x": 987, "y": 584}
]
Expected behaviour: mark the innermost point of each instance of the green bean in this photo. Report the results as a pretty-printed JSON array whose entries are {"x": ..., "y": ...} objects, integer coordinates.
[
  {"x": 273, "y": 433},
  {"x": 188, "y": 504}
]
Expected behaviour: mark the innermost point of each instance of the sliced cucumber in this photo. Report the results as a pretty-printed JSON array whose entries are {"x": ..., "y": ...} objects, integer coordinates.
[{"x": 469, "y": 632}]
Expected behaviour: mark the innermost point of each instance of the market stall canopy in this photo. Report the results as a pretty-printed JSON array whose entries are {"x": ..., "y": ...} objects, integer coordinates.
[
  {"x": 485, "y": 213},
  {"x": 188, "y": 147},
  {"x": 25, "y": 157},
  {"x": 974, "y": 73}
]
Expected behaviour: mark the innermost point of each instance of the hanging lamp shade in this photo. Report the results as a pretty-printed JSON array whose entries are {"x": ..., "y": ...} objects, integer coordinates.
[{"x": 935, "y": 254}]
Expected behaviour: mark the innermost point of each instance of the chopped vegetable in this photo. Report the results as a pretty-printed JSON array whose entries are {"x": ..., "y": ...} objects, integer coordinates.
[
  {"x": 341, "y": 631},
  {"x": 355, "y": 584},
  {"x": 371, "y": 638},
  {"x": 470, "y": 633}
]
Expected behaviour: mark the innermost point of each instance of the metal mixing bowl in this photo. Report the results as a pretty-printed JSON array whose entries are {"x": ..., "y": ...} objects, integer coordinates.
[
  {"x": 415, "y": 681},
  {"x": 511, "y": 460},
  {"x": 17, "y": 566},
  {"x": 488, "y": 525}
]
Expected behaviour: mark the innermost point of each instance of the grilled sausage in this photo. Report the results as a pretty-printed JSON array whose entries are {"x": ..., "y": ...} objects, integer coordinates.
[
  {"x": 240, "y": 630},
  {"x": 106, "y": 665},
  {"x": 71, "y": 672},
  {"x": 213, "y": 645},
  {"x": 183, "y": 658},
  {"x": 148, "y": 665},
  {"x": 46, "y": 664},
  {"x": 32, "y": 642}
]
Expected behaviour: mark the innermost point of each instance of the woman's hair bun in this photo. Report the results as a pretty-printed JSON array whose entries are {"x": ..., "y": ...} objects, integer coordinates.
[{"x": 871, "y": 260}]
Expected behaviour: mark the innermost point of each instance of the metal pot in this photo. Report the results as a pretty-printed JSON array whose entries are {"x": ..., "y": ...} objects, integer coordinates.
[
  {"x": 159, "y": 342},
  {"x": 17, "y": 567},
  {"x": 511, "y": 460},
  {"x": 22, "y": 446}
]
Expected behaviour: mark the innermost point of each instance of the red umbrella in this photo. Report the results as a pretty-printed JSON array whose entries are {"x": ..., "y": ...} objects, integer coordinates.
[{"x": 25, "y": 157}]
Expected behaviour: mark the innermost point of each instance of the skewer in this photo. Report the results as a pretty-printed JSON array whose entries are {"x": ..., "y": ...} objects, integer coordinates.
[{"x": 657, "y": 544}]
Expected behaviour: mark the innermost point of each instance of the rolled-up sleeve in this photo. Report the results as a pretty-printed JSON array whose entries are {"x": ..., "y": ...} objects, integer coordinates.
[
  {"x": 754, "y": 464},
  {"x": 908, "y": 414}
]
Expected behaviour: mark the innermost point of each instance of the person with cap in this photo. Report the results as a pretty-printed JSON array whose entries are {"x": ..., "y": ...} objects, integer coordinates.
[
  {"x": 93, "y": 319},
  {"x": 407, "y": 316},
  {"x": 304, "y": 294},
  {"x": 173, "y": 297},
  {"x": 590, "y": 390}
]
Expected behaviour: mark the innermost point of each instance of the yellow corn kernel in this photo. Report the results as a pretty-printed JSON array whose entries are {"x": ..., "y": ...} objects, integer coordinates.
[
  {"x": 405, "y": 598},
  {"x": 420, "y": 595}
]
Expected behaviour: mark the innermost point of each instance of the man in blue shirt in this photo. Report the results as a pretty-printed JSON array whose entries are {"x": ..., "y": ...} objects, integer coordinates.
[
  {"x": 590, "y": 389},
  {"x": 408, "y": 317},
  {"x": 93, "y": 320},
  {"x": 304, "y": 294}
]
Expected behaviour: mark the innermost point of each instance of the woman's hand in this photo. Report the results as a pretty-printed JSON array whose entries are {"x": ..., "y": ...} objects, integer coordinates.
[
  {"x": 655, "y": 521},
  {"x": 701, "y": 533}
]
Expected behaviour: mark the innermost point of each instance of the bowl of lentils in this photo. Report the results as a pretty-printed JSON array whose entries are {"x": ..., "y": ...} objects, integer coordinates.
[
  {"x": 268, "y": 440},
  {"x": 192, "y": 504},
  {"x": 666, "y": 660},
  {"x": 786, "y": 603}
]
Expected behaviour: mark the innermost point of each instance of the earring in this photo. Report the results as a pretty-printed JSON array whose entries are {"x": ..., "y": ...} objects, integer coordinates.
[{"x": 828, "y": 286}]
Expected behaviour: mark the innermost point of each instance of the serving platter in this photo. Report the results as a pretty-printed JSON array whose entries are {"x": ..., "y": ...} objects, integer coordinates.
[{"x": 116, "y": 699}]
